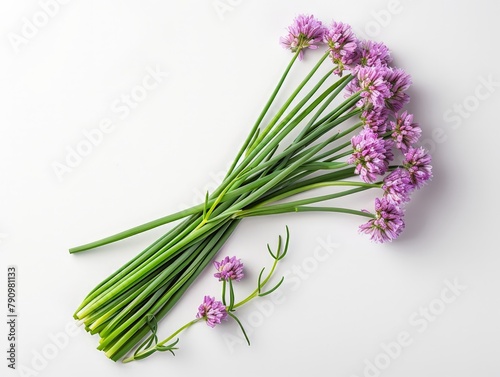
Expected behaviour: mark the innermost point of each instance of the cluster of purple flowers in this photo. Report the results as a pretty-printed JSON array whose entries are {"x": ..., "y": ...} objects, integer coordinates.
[
  {"x": 383, "y": 95},
  {"x": 211, "y": 310}
]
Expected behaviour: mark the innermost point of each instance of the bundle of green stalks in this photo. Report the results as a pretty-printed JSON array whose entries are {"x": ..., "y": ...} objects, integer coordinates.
[{"x": 264, "y": 179}]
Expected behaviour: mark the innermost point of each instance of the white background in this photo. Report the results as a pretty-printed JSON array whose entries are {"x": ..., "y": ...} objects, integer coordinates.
[{"x": 222, "y": 59}]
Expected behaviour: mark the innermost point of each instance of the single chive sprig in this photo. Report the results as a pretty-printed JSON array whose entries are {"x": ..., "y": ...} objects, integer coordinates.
[{"x": 212, "y": 311}]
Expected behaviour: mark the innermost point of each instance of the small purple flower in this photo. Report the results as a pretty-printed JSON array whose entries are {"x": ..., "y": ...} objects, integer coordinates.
[
  {"x": 418, "y": 163},
  {"x": 343, "y": 45},
  {"x": 388, "y": 223},
  {"x": 371, "y": 155},
  {"x": 375, "y": 119},
  {"x": 373, "y": 54},
  {"x": 370, "y": 81},
  {"x": 404, "y": 131},
  {"x": 305, "y": 32},
  {"x": 229, "y": 269},
  {"x": 212, "y": 311},
  {"x": 398, "y": 186},
  {"x": 399, "y": 82}
]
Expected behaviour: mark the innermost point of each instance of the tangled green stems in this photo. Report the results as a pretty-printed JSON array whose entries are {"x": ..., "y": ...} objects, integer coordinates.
[
  {"x": 152, "y": 345},
  {"x": 262, "y": 180}
]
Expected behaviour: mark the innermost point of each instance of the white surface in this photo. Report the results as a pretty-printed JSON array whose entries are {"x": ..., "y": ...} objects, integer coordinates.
[{"x": 335, "y": 313}]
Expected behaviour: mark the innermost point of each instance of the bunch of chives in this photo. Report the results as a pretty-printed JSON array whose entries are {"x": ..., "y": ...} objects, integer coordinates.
[{"x": 262, "y": 180}]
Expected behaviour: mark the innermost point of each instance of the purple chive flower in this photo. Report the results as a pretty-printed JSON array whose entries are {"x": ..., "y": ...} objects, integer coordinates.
[
  {"x": 371, "y": 155},
  {"x": 399, "y": 82},
  {"x": 212, "y": 311},
  {"x": 229, "y": 269},
  {"x": 375, "y": 119},
  {"x": 404, "y": 131},
  {"x": 398, "y": 186},
  {"x": 388, "y": 223},
  {"x": 373, "y": 86},
  {"x": 418, "y": 163},
  {"x": 305, "y": 32},
  {"x": 373, "y": 54},
  {"x": 343, "y": 45}
]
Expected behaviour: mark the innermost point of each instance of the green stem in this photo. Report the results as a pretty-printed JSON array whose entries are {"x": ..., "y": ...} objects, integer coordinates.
[
  {"x": 262, "y": 114},
  {"x": 255, "y": 293},
  {"x": 289, "y": 101},
  {"x": 223, "y": 295},
  {"x": 291, "y": 206},
  {"x": 162, "y": 343},
  {"x": 334, "y": 209},
  {"x": 138, "y": 229},
  {"x": 316, "y": 186},
  {"x": 240, "y": 325}
]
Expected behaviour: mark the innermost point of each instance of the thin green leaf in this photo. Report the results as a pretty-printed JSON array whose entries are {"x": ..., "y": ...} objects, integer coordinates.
[
  {"x": 270, "y": 252},
  {"x": 169, "y": 347},
  {"x": 231, "y": 294},
  {"x": 280, "y": 241},
  {"x": 224, "y": 292},
  {"x": 287, "y": 243},
  {"x": 153, "y": 325},
  {"x": 324, "y": 165},
  {"x": 272, "y": 289},
  {"x": 144, "y": 355},
  {"x": 205, "y": 206},
  {"x": 259, "y": 284},
  {"x": 241, "y": 327},
  {"x": 254, "y": 138}
]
